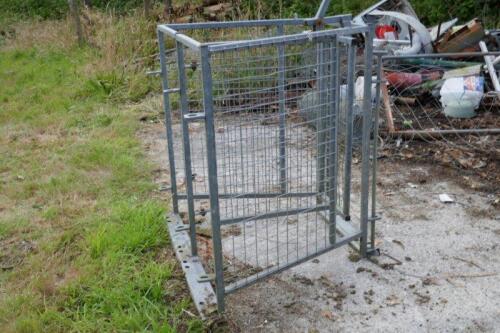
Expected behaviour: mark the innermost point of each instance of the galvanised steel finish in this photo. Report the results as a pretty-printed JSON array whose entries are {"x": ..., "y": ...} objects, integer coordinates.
[
  {"x": 374, "y": 217},
  {"x": 168, "y": 121},
  {"x": 351, "y": 67},
  {"x": 181, "y": 70},
  {"x": 281, "y": 97},
  {"x": 367, "y": 124},
  {"x": 212, "y": 175},
  {"x": 276, "y": 148}
]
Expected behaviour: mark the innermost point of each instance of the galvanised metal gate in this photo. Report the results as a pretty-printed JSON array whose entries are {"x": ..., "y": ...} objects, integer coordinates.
[{"x": 269, "y": 146}]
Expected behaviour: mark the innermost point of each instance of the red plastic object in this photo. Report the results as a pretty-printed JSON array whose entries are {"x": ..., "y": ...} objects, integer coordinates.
[
  {"x": 386, "y": 32},
  {"x": 405, "y": 80}
]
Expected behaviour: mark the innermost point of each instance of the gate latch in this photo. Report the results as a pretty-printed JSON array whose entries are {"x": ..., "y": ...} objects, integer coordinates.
[{"x": 194, "y": 116}]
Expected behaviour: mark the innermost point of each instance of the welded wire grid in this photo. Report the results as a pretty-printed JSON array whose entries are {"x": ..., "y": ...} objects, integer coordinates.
[
  {"x": 193, "y": 79},
  {"x": 277, "y": 152},
  {"x": 414, "y": 104}
]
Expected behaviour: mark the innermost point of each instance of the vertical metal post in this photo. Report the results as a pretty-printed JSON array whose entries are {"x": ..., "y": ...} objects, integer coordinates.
[
  {"x": 367, "y": 121},
  {"x": 282, "y": 113},
  {"x": 187, "y": 146},
  {"x": 333, "y": 108},
  {"x": 320, "y": 121},
  {"x": 212, "y": 176},
  {"x": 351, "y": 67},
  {"x": 168, "y": 121},
  {"x": 373, "y": 216}
]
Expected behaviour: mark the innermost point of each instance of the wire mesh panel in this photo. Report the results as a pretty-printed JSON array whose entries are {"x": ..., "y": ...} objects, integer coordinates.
[{"x": 272, "y": 130}]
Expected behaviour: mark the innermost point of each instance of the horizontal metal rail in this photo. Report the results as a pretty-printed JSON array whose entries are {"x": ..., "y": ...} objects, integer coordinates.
[
  {"x": 274, "y": 270},
  {"x": 436, "y": 133},
  {"x": 259, "y": 23},
  {"x": 271, "y": 215},
  {"x": 288, "y": 39},
  {"x": 252, "y": 195},
  {"x": 182, "y": 38},
  {"x": 440, "y": 55}
]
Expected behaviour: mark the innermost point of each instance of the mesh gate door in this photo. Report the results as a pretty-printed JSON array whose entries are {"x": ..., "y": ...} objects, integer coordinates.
[{"x": 282, "y": 122}]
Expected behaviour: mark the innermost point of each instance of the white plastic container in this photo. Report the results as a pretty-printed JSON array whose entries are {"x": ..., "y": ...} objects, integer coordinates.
[{"x": 460, "y": 96}]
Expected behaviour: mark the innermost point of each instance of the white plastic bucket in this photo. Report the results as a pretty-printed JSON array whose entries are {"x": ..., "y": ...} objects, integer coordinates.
[{"x": 460, "y": 96}]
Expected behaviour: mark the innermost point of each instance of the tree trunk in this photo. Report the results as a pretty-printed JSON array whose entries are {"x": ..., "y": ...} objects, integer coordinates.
[
  {"x": 73, "y": 7},
  {"x": 147, "y": 8},
  {"x": 168, "y": 8}
]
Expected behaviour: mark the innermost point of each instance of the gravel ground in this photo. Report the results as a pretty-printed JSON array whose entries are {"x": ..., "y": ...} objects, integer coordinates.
[{"x": 439, "y": 269}]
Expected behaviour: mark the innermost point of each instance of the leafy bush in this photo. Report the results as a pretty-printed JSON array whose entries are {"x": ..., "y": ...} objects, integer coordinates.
[
  {"x": 35, "y": 8},
  {"x": 53, "y": 9}
]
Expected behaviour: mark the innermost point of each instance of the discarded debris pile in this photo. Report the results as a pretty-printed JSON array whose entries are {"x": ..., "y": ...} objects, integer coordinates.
[
  {"x": 440, "y": 85},
  {"x": 210, "y": 10}
]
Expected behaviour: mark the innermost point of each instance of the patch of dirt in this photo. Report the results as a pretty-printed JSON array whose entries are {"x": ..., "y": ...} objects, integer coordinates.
[
  {"x": 473, "y": 162},
  {"x": 13, "y": 251},
  {"x": 415, "y": 285}
]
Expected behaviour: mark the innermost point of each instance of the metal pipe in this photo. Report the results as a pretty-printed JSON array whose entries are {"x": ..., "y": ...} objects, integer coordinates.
[
  {"x": 323, "y": 7},
  {"x": 332, "y": 158},
  {"x": 277, "y": 213},
  {"x": 258, "y": 23},
  {"x": 282, "y": 113},
  {"x": 289, "y": 39},
  {"x": 441, "y": 55},
  {"x": 252, "y": 195},
  {"x": 185, "y": 40},
  {"x": 276, "y": 269},
  {"x": 181, "y": 70},
  {"x": 367, "y": 119},
  {"x": 320, "y": 123},
  {"x": 351, "y": 68},
  {"x": 490, "y": 66},
  {"x": 375, "y": 153},
  {"x": 434, "y": 134},
  {"x": 168, "y": 121},
  {"x": 212, "y": 175}
]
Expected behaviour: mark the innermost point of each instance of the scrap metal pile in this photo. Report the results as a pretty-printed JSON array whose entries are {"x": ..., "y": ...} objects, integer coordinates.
[{"x": 440, "y": 85}]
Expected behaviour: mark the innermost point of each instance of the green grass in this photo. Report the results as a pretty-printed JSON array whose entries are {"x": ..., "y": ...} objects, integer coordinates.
[{"x": 83, "y": 245}]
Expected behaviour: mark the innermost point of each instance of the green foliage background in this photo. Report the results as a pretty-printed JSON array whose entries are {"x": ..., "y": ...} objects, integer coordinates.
[{"x": 429, "y": 11}]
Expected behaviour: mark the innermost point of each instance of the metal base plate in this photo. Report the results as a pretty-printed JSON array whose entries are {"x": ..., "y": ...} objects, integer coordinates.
[{"x": 200, "y": 287}]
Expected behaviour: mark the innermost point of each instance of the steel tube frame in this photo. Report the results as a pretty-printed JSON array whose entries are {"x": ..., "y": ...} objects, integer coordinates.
[
  {"x": 277, "y": 213},
  {"x": 168, "y": 121},
  {"x": 268, "y": 272},
  {"x": 373, "y": 217},
  {"x": 346, "y": 18},
  {"x": 367, "y": 119},
  {"x": 351, "y": 68},
  {"x": 321, "y": 136},
  {"x": 186, "y": 144},
  {"x": 212, "y": 176},
  {"x": 282, "y": 113},
  {"x": 432, "y": 134},
  {"x": 205, "y": 51},
  {"x": 252, "y": 195},
  {"x": 333, "y": 106},
  {"x": 441, "y": 55},
  {"x": 289, "y": 39}
]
